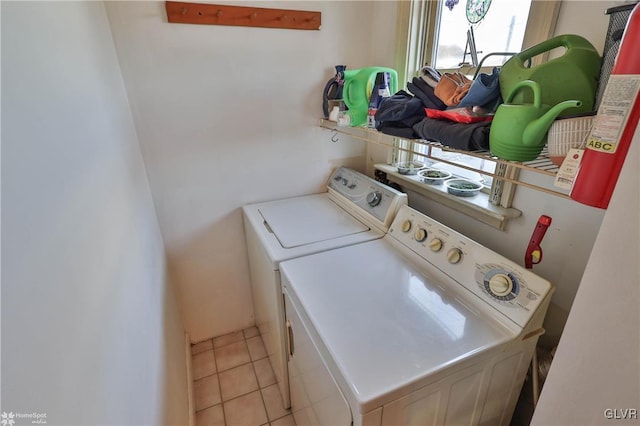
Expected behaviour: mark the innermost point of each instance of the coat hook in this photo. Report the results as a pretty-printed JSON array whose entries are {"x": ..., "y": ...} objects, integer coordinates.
[
  {"x": 219, "y": 13},
  {"x": 254, "y": 15},
  {"x": 284, "y": 17},
  {"x": 334, "y": 137},
  {"x": 183, "y": 10}
]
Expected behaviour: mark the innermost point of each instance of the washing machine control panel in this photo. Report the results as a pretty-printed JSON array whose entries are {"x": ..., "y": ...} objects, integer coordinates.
[
  {"x": 500, "y": 283},
  {"x": 360, "y": 192}
]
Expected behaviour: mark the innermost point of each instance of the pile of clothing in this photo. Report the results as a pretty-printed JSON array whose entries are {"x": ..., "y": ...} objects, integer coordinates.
[{"x": 404, "y": 114}]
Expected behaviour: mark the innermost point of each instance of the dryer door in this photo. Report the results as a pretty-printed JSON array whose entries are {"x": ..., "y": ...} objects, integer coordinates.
[{"x": 316, "y": 399}]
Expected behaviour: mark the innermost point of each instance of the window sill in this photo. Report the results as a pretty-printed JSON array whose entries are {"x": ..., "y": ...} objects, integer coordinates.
[{"x": 477, "y": 207}]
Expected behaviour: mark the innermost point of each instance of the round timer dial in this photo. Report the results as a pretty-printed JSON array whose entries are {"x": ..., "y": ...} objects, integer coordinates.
[
  {"x": 501, "y": 285},
  {"x": 374, "y": 198}
]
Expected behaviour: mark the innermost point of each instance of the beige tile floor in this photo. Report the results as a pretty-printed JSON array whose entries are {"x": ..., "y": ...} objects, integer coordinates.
[{"x": 234, "y": 384}]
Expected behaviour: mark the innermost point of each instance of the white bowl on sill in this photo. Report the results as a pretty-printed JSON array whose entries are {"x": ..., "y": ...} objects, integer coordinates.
[
  {"x": 410, "y": 168},
  {"x": 463, "y": 187},
  {"x": 433, "y": 176}
]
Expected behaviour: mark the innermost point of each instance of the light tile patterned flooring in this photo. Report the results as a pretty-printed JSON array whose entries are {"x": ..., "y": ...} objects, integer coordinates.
[{"x": 234, "y": 383}]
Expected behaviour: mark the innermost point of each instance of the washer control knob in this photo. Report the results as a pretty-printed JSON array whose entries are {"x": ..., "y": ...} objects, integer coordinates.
[
  {"x": 344, "y": 181},
  {"x": 454, "y": 256},
  {"x": 420, "y": 235},
  {"x": 406, "y": 225},
  {"x": 374, "y": 198},
  {"x": 500, "y": 284},
  {"x": 435, "y": 244},
  {"x": 337, "y": 178}
]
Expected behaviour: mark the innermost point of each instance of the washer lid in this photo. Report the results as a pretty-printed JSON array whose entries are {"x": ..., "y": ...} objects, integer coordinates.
[
  {"x": 306, "y": 220},
  {"x": 387, "y": 324}
]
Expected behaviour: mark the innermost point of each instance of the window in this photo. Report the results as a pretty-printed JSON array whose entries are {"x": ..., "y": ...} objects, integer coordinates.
[
  {"x": 430, "y": 33},
  {"x": 502, "y": 30},
  {"x": 422, "y": 26}
]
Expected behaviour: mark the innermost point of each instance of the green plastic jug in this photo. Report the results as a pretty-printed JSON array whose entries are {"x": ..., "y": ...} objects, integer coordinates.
[
  {"x": 573, "y": 75},
  {"x": 358, "y": 85}
]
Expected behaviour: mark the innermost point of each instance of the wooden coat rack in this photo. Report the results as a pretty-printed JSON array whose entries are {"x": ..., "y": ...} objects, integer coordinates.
[{"x": 214, "y": 14}]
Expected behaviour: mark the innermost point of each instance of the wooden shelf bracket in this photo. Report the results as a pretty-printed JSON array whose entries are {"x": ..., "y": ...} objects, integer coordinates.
[{"x": 214, "y": 14}]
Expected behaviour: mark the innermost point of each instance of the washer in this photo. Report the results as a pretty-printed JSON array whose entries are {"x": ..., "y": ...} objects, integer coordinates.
[
  {"x": 354, "y": 209},
  {"x": 421, "y": 327}
]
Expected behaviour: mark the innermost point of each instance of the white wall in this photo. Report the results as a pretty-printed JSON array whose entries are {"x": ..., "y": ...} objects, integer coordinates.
[
  {"x": 228, "y": 116},
  {"x": 597, "y": 367},
  {"x": 91, "y": 330},
  {"x": 586, "y": 18}
]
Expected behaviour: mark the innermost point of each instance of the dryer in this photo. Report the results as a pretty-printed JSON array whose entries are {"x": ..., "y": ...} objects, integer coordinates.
[
  {"x": 421, "y": 327},
  {"x": 353, "y": 210}
]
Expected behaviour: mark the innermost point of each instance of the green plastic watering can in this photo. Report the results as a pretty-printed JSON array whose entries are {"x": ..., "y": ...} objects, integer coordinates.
[{"x": 518, "y": 131}]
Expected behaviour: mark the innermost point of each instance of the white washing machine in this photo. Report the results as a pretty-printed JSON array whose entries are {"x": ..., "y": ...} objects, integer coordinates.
[
  {"x": 421, "y": 327},
  {"x": 354, "y": 209}
]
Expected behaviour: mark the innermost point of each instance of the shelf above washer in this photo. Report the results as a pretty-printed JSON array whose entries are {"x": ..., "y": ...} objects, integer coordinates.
[{"x": 541, "y": 165}]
